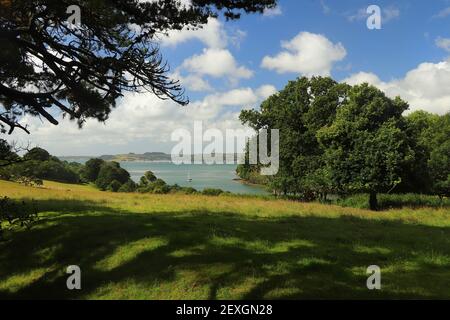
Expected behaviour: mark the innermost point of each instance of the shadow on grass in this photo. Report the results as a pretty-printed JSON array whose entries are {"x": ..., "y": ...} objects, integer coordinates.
[{"x": 226, "y": 255}]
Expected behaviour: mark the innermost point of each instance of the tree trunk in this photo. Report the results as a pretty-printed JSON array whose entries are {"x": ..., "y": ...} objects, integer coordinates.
[{"x": 373, "y": 201}]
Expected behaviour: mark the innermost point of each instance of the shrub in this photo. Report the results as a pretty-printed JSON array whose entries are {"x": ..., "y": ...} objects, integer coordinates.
[
  {"x": 387, "y": 201},
  {"x": 148, "y": 178},
  {"x": 212, "y": 192},
  {"x": 14, "y": 214},
  {"x": 188, "y": 190}
]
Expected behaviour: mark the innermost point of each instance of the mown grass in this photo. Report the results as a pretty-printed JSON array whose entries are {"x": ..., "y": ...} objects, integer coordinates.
[{"x": 137, "y": 246}]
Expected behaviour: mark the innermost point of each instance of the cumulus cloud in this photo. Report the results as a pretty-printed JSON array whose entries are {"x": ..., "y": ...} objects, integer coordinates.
[
  {"x": 215, "y": 60},
  {"x": 308, "y": 54},
  {"x": 192, "y": 82},
  {"x": 216, "y": 63},
  {"x": 426, "y": 87},
  {"x": 244, "y": 97},
  {"x": 143, "y": 120},
  {"x": 212, "y": 34}
]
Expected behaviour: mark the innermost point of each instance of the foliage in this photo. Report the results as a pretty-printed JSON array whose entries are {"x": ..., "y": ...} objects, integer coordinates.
[
  {"x": 109, "y": 172},
  {"x": 298, "y": 111},
  {"x": 114, "y": 186},
  {"x": 148, "y": 178},
  {"x": 212, "y": 192},
  {"x": 37, "y": 154},
  {"x": 16, "y": 214},
  {"x": 336, "y": 139},
  {"x": 53, "y": 169},
  {"x": 129, "y": 186},
  {"x": 92, "y": 169},
  {"x": 431, "y": 170},
  {"x": 7, "y": 155},
  {"x": 366, "y": 145},
  {"x": 439, "y": 162},
  {"x": 389, "y": 201},
  {"x": 157, "y": 186}
]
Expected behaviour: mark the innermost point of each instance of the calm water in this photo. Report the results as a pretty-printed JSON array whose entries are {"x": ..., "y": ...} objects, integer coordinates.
[{"x": 203, "y": 176}]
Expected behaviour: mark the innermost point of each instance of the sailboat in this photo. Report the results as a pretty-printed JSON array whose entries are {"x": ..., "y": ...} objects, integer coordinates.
[{"x": 189, "y": 179}]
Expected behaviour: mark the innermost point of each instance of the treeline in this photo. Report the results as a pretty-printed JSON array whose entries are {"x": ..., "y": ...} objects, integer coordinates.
[
  {"x": 340, "y": 139},
  {"x": 37, "y": 165}
]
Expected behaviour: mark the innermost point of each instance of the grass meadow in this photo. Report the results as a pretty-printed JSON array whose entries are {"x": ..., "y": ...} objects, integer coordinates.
[{"x": 142, "y": 246}]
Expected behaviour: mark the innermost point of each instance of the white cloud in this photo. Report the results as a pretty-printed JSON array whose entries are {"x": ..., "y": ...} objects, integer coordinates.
[
  {"x": 192, "y": 82},
  {"x": 211, "y": 34},
  {"x": 425, "y": 87},
  {"x": 216, "y": 63},
  {"x": 443, "y": 13},
  {"x": 276, "y": 11},
  {"x": 141, "y": 120},
  {"x": 244, "y": 97},
  {"x": 308, "y": 54},
  {"x": 443, "y": 43},
  {"x": 266, "y": 91}
]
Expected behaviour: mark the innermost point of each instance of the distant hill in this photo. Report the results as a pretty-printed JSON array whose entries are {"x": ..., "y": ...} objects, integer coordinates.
[{"x": 147, "y": 156}]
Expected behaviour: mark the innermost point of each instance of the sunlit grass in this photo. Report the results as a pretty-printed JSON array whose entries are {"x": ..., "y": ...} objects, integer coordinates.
[{"x": 142, "y": 246}]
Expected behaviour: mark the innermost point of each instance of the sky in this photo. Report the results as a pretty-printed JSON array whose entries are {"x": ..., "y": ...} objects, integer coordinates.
[{"x": 228, "y": 66}]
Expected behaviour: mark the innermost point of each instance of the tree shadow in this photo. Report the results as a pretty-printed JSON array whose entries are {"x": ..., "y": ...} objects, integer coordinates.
[{"x": 227, "y": 255}]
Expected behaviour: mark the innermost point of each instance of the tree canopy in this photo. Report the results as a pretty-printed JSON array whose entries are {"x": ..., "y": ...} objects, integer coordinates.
[
  {"x": 366, "y": 146},
  {"x": 298, "y": 111},
  {"x": 48, "y": 65},
  {"x": 341, "y": 139}
]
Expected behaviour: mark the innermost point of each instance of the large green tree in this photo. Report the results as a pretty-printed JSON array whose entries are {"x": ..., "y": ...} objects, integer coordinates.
[
  {"x": 49, "y": 66},
  {"x": 431, "y": 133},
  {"x": 367, "y": 147},
  {"x": 298, "y": 111}
]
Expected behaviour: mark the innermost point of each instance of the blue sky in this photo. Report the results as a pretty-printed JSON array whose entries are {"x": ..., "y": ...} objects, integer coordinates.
[
  {"x": 229, "y": 66},
  {"x": 403, "y": 42}
]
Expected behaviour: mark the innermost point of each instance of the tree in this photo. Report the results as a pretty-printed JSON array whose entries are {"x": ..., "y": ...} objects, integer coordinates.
[
  {"x": 148, "y": 178},
  {"x": 439, "y": 162},
  {"x": 430, "y": 172},
  {"x": 109, "y": 172},
  {"x": 114, "y": 186},
  {"x": 91, "y": 169},
  {"x": 298, "y": 111},
  {"x": 38, "y": 154},
  {"x": 48, "y": 65},
  {"x": 420, "y": 125},
  {"x": 367, "y": 147},
  {"x": 7, "y": 155},
  {"x": 129, "y": 186}
]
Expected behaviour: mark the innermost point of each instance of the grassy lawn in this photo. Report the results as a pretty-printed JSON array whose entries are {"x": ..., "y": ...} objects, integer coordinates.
[{"x": 133, "y": 246}]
